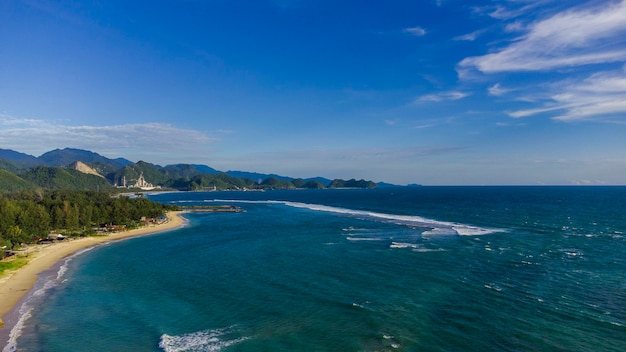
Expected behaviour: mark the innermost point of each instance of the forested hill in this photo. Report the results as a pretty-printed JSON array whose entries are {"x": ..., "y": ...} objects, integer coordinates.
[{"x": 75, "y": 169}]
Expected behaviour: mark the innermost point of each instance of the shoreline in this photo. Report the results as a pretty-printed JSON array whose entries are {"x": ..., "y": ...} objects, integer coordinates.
[{"x": 15, "y": 285}]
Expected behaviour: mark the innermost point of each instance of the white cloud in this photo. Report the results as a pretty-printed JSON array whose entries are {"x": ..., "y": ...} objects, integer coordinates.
[
  {"x": 444, "y": 96},
  {"x": 530, "y": 112},
  {"x": 153, "y": 142},
  {"x": 497, "y": 90},
  {"x": 416, "y": 31},
  {"x": 570, "y": 38},
  {"x": 501, "y": 12},
  {"x": 516, "y": 26},
  {"x": 470, "y": 37},
  {"x": 601, "y": 95}
]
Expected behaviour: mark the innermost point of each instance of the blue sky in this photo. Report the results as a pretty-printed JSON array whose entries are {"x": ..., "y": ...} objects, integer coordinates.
[{"x": 437, "y": 92}]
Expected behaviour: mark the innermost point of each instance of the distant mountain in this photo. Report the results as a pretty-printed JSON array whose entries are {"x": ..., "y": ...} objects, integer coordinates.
[
  {"x": 256, "y": 176},
  {"x": 156, "y": 174},
  {"x": 314, "y": 184},
  {"x": 338, "y": 183},
  {"x": 322, "y": 180},
  {"x": 130, "y": 173},
  {"x": 204, "y": 182},
  {"x": 71, "y": 168},
  {"x": 181, "y": 171},
  {"x": 66, "y": 156},
  {"x": 19, "y": 159},
  {"x": 203, "y": 169},
  {"x": 274, "y": 183},
  {"x": 259, "y": 176}
]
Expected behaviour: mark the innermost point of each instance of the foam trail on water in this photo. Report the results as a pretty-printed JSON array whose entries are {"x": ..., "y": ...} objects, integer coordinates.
[
  {"x": 435, "y": 227},
  {"x": 207, "y": 340}
]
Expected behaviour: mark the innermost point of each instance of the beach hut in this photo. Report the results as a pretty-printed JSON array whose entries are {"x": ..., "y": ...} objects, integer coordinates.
[{"x": 55, "y": 237}]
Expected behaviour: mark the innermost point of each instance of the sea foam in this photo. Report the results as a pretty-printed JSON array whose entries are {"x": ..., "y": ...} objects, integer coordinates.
[
  {"x": 431, "y": 227},
  {"x": 206, "y": 340}
]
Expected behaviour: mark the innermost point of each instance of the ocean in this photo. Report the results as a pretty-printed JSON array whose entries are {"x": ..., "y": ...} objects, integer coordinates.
[{"x": 388, "y": 269}]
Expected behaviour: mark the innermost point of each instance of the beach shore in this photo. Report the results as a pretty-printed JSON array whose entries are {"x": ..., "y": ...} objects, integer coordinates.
[{"x": 14, "y": 285}]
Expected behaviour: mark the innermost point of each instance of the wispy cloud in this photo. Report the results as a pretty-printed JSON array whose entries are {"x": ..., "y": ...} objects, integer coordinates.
[
  {"x": 516, "y": 26},
  {"x": 416, "y": 31},
  {"x": 470, "y": 37},
  {"x": 504, "y": 13},
  {"x": 428, "y": 125},
  {"x": 530, "y": 112},
  {"x": 133, "y": 141},
  {"x": 497, "y": 90},
  {"x": 510, "y": 9},
  {"x": 571, "y": 38},
  {"x": 443, "y": 96},
  {"x": 601, "y": 95}
]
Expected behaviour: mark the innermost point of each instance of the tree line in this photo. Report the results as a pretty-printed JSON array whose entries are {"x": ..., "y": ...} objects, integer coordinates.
[{"x": 27, "y": 215}]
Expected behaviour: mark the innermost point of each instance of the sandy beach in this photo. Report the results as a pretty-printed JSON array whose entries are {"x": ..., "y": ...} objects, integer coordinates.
[{"x": 14, "y": 285}]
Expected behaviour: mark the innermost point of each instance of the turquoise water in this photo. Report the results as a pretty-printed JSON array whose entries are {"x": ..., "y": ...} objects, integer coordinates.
[{"x": 391, "y": 269}]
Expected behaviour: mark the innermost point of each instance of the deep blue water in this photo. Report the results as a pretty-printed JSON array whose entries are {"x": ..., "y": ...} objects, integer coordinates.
[{"x": 390, "y": 269}]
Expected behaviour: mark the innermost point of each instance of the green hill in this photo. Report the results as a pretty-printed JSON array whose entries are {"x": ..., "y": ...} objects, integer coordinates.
[
  {"x": 8, "y": 166},
  {"x": 60, "y": 178},
  {"x": 219, "y": 181},
  {"x": 338, "y": 183},
  {"x": 11, "y": 182},
  {"x": 274, "y": 183}
]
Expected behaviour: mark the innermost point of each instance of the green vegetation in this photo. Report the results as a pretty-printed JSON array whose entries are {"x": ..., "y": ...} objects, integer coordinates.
[
  {"x": 61, "y": 178},
  {"x": 314, "y": 184},
  {"x": 30, "y": 215},
  {"x": 12, "y": 265},
  {"x": 274, "y": 183},
  {"x": 337, "y": 183},
  {"x": 11, "y": 182}
]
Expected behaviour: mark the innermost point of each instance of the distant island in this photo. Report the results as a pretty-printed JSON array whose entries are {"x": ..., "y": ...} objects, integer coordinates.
[{"x": 77, "y": 169}]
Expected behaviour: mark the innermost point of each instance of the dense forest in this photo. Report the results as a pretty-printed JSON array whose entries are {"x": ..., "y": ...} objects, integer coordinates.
[{"x": 28, "y": 215}]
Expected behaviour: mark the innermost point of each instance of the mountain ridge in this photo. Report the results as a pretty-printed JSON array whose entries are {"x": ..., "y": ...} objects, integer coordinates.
[{"x": 121, "y": 172}]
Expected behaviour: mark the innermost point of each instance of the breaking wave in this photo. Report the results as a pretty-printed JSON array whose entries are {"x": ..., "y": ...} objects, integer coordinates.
[
  {"x": 431, "y": 227},
  {"x": 200, "y": 341}
]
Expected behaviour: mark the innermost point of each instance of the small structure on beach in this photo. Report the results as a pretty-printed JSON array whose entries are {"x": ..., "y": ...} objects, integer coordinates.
[{"x": 55, "y": 237}]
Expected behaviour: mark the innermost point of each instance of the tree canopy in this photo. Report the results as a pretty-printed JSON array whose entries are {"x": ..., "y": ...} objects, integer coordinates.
[{"x": 26, "y": 215}]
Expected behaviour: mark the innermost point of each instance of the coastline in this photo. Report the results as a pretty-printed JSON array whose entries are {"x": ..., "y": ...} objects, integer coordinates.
[{"x": 15, "y": 285}]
